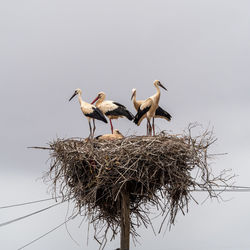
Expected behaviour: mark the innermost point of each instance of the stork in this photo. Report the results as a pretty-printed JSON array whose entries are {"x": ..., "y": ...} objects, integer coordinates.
[
  {"x": 148, "y": 108},
  {"x": 116, "y": 135},
  {"x": 159, "y": 113},
  {"x": 90, "y": 111},
  {"x": 113, "y": 110}
]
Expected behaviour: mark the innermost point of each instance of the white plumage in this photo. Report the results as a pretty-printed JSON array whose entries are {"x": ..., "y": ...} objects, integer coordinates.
[
  {"x": 159, "y": 113},
  {"x": 115, "y": 136},
  {"x": 113, "y": 110},
  {"x": 90, "y": 111},
  {"x": 148, "y": 108}
]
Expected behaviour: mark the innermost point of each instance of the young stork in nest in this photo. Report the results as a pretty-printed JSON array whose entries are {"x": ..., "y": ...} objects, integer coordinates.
[
  {"x": 113, "y": 110},
  {"x": 159, "y": 113},
  {"x": 116, "y": 135},
  {"x": 148, "y": 108},
  {"x": 90, "y": 111}
]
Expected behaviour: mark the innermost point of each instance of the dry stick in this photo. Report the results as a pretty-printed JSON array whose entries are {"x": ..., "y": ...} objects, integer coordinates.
[
  {"x": 66, "y": 226},
  {"x": 45, "y": 148}
]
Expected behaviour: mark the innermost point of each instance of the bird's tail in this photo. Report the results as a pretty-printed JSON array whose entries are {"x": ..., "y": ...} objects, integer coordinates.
[
  {"x": 136, "y": 119},
  {"x": 104, "y": 119},
  {"x": 129, "y": 115},
  {"x": 101, "y": 115}
]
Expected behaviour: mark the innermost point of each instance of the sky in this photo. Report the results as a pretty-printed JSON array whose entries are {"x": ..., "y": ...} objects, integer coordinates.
[{"x": 200, "y": 50}]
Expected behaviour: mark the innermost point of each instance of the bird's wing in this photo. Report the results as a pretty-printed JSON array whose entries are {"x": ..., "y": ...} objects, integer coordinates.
[
  {"x": 107, "y": 137},
  {"x": 143, "y": 109},
  {"x": 118, "y": 104},
  {"x": 161, "y": 113},
  {"x": 147, "y": 103},
  {"x": 117, "y": 109},
  {"x": 96, "y": 114},
  {"x": 106, "y": 106}
]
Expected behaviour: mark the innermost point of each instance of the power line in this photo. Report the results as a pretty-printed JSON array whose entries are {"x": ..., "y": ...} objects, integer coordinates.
[
  {"x": 232, "y": 186},
  {"x": 28, "y": 215},
  {"x": 40, "y": 237},
  {"x": 222, "y": 190},
  {"x": 29, "y": 202}
]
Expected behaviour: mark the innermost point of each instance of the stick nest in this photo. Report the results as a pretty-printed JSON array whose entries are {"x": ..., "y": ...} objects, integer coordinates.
[{"x": 161, "y": 171}]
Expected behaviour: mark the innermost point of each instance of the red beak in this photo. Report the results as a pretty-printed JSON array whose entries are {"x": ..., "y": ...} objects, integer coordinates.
[{"x": 95, "y": 100}]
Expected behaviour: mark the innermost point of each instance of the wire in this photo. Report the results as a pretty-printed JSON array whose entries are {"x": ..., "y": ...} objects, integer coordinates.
[
  {"x": 27, "y": 203},
  {"x": 28, "y": 215},
  {"x": 40, "y": 237},
  {"x": 43, "y": 200},
  {"x": 222, "y": 190},
  {"x": 229, "y": 186}
]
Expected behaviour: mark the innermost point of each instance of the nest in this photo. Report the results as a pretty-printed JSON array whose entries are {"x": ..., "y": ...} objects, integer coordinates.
[{"x": 161, "y": 171}]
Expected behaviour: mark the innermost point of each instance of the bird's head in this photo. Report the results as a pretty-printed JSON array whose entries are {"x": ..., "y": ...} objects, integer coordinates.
[
  {"x": 77, "y": 92},
  {"x": 117, "y": 132},
  {"x": 133, "y": 93},
  {"x": 101, "y": 95},
  {"x": 158, "y": 83}
]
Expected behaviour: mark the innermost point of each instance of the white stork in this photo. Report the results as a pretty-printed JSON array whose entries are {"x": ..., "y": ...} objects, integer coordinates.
[
  {"x": 90, "y": 111},
  {"x": 113, "y": 110},
  {"x": 116, "y": 135},
  {"x": 148, "y": 108},
  {"x": 159, "y": 113}
]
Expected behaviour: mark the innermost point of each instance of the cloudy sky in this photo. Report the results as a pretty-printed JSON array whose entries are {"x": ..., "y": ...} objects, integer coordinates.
[{"x": 200, "y": 50}]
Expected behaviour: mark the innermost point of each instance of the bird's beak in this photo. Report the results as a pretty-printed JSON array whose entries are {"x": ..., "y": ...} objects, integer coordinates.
[
  {"x": 162, "y": 86},
  {"x": 95, "y": 99},
  {"x": 72, "y": 96},
  {"x": 132, "y": 95}
]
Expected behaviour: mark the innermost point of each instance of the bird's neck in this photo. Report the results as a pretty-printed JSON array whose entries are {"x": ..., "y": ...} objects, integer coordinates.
[
  {"x": 157, "y": 94},
  {"x": 134, "y": 99},
  {"x": 100, "y": 100},
  {"x": 136, "y": 104},
  {"x": 80, "y": 99}
]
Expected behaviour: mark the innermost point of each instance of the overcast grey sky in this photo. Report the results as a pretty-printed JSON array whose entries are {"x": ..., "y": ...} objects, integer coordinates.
[{"x": 199, "y": 49}]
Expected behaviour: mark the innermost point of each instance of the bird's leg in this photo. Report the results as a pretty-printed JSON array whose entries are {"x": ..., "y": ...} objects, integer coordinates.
[
  {"x": 153, "y": 126},
  {"x": 90, "y": 128},
  {"x": 111, "y": 125},
  {"x": 149, "y": 127},
  {"x": 94, "y": 127}
]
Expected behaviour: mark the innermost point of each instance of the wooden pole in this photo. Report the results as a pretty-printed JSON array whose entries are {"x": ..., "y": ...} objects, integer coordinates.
[{"x": 125, "y": 221}]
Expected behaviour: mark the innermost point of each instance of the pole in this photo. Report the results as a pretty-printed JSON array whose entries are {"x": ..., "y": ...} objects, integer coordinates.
[{"x": 125, "y": 221}]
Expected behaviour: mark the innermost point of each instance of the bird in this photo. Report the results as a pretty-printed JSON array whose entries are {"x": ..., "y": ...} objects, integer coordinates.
[
  {"x": 159, "y": 113},
  {"x": 148, "y": 108},
  {"x": 116, "y": 135},
  {"x": 137, "y": 103},
  {"x": 113, "y": 110},
  {"x": 90, "y": 111}
]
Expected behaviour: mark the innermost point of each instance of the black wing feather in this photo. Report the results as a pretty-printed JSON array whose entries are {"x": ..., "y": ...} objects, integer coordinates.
[
  {"x": 140, "y": 114},
  {"x": 120, "y": 111},
  {"x": 119, "y": 104},
  {"x": 161, "y": 112},
  {"x": 97, "y": 114}
]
